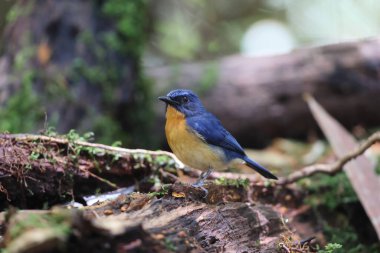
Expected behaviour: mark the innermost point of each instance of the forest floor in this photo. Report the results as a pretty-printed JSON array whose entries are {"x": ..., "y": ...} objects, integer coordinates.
[{"x": 76, "y": 196}]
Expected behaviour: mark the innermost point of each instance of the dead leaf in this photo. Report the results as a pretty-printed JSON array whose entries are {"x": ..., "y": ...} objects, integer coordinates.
[
  {"x": 108, "y": 212},
  {"x": 178, "y": 194}
]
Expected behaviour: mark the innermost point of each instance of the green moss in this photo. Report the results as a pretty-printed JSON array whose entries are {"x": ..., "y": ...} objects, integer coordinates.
[
  {"x": 106, "y": 74},
  {"x": 327, "y": 195},
  {"x": 331, "y": 191},
  {"x": 166, "y": 162},
  {"x": 18, "y": 11},
  {"x": 23, "y": 109},
  {"x": 232, "y": 182},
  {"x": 169, "y": 245},
  {"x": 58, "y": 222},
  {"x": 164, "y": 191},
  {"x": 112, "y": 40},
  {"x": 130, "y": 24},
  {"x": 346, "y": 236},
  {"x": 129, "y": 40},
  {"x": 141, "y": 114},
  {"x": 86, "y": 37},
  {"x": 330, "y": 248},
  {"x": 377, "y": 168},
  {"x": 99, "y": 66}
]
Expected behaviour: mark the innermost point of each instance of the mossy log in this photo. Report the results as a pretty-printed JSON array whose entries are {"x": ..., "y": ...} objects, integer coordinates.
[
  {"x": 181, "y": 221},
  {"x": 38, "y": 170},
  {"x": 41, "y": 171}
]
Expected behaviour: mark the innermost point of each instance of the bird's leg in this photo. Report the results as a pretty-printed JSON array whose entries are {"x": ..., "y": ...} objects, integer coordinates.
[
  {"x": 202, "y": 177},
  {"x": 201, "y": 180}
]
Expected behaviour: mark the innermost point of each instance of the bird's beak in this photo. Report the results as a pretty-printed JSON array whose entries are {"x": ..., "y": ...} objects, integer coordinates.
[{"x": 168, "y": 100}]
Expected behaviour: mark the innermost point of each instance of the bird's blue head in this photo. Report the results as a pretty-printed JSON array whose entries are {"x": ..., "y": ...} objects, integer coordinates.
[{"x": 184, "y": 101}]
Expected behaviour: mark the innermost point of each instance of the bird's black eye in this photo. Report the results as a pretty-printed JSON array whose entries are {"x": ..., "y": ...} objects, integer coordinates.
[{"x": 185, "y": 100}]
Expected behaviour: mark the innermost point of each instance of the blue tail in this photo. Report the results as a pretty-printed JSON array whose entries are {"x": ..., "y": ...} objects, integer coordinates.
[{"x": 260, "y": 169}]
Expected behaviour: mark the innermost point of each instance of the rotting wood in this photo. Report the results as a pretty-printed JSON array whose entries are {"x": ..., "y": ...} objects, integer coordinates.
[
  {"x": 39, "y": 169},
  {"x": 222, "y": 222}
]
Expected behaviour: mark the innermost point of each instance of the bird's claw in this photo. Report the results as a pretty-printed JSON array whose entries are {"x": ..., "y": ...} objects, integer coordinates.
[
  {"x": 199, "y": 184},
  {"x": 201, "y": 181}
]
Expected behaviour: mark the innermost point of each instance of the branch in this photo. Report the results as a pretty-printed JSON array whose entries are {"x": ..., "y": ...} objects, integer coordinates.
[
  {"x": 331, "y": 168},
  {"x": 32, "y": 137}
]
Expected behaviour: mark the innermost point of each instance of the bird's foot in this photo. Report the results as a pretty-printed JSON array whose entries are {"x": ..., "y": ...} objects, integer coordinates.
[
  {"x": 200, "y": 186},
  {"x": 201, "y": 181}
]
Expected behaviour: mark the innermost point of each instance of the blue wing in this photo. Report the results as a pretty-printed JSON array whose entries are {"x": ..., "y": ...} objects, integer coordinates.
[{"x": 212, "y": 131}]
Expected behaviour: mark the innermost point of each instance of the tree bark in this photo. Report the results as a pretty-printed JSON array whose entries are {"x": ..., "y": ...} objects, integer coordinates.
[
  {"x": 139, "y": 223},
  {"x": 261, "y": 98}
]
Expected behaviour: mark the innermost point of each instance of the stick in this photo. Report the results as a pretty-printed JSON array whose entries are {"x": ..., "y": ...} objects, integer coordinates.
[{"x": 331, "y": 168}]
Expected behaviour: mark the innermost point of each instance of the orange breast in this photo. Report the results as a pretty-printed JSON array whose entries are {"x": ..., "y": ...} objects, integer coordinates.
[{"x": 189, "y": 147}]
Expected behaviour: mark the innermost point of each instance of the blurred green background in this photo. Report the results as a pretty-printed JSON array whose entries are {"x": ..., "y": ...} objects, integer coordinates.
[
  {"x": 173, "y": 32},
  {"x": 194, "y": 30}
]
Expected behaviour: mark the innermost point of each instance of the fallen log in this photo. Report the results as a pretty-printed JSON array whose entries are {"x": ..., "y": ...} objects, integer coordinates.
[
  {"x": 42, "y": 171},
  {"x": 261, "y": 98},
  {"x": 182, "y": 220},
  {"x": 36, "y": 170}
]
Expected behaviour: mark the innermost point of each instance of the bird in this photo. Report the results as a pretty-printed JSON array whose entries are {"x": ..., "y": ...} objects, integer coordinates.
[{"x": 199, "y": 139}]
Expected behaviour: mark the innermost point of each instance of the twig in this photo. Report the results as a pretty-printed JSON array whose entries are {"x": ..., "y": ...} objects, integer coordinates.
[
  {"x": 168, "y": 175},
  {"x": 103, "y": 180},
  {"x": 330, "y": 168},
  {"x": 284, "y": 247}
]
